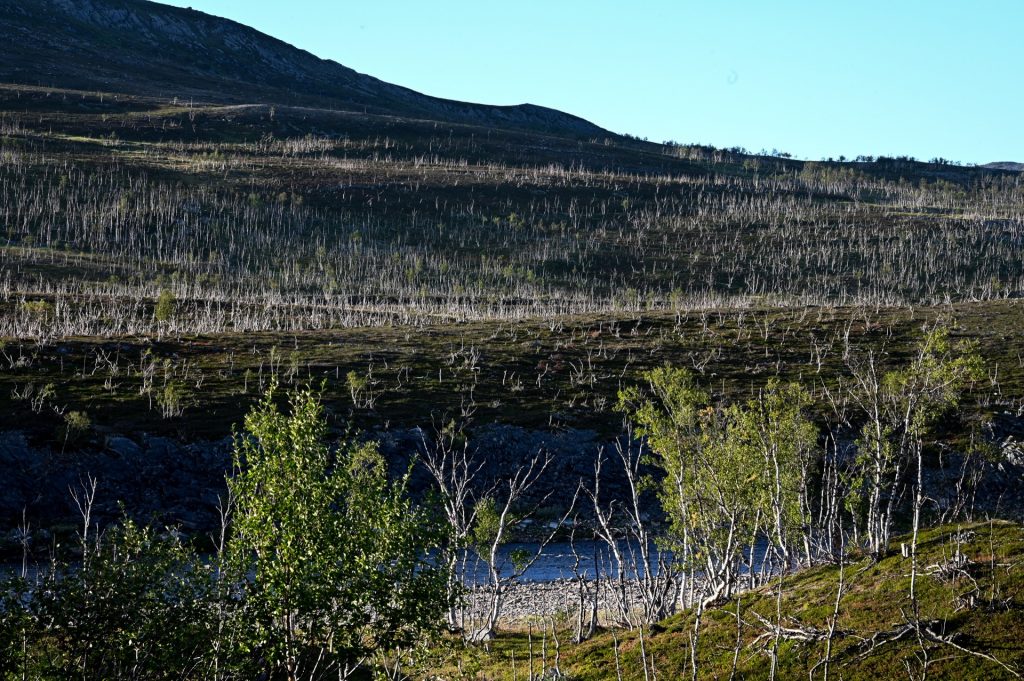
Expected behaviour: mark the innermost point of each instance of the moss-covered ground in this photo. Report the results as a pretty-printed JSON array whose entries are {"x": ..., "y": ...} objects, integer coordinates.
[{"x": 974, "y": 613}]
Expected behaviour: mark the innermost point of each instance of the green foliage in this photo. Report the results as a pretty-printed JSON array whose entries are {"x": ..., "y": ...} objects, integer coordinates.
[
  {"x": 774, "y": 429},
  {"x": 675, "y": 417},
  {"x": 77, "y": 421},
  {"x": 336, "y": 551},
  {"x": 325, "y": 569},
  {"x": 294, "y": 362},
  {"x": 486, "y": 527},
  {"x": 357, "y": 384},
  {"x": 166, "y": 306},
  {"x": 15, "y": 625},
  {"x": 40, "y": 310},
  {"x": 171, "y": 400},
  {"x": 897, "y": 410},
  {"x": 730, "y": 471},
  {"x": 933, "y": 383},
  {"x": 520, "y": 558},
  {"x": 37, "y": 398},
  {"x": 706, "y": 491},
  {"x": 135, "y": 608},
  {"x": 76, "y": 425}
]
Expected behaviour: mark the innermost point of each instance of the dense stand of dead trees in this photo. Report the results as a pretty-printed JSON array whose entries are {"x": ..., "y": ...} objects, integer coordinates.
[{"x": 381, "y": 232}]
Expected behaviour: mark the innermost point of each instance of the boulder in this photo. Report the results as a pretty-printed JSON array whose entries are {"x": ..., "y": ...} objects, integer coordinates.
[{"x": 122, "y": 447}]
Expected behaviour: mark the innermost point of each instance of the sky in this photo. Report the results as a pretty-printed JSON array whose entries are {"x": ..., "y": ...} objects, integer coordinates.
[{"x": 815, "y": 79}]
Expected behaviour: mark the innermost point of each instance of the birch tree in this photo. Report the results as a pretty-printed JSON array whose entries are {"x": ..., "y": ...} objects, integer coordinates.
[{"x": 335, "y": 555}]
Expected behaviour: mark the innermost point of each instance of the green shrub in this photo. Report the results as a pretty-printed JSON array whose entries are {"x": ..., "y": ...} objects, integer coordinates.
[{"x": 166, "y": 306}]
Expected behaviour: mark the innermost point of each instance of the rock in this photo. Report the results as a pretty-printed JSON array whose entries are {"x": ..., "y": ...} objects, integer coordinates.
[
  {"x": 14, "y": 448},
  {"x": 1013, "y": 453},
  {"x": 156, "y": 479},
  {"x": 159, "y": 447},
  {"x": 20, "y": 467},
  {"x": 123, "y": 447},
  {"x": 524, "y": 602}
]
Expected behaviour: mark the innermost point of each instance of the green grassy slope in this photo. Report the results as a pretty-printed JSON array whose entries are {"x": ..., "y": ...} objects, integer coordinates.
[{"x": 972, "y": 607}]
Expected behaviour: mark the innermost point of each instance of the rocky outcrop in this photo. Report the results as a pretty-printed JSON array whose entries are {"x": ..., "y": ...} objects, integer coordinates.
[
  {"x": 1005, "y": 165},
  {"x": 170, "y": 482},
  {"x": 149, "y": 478}
]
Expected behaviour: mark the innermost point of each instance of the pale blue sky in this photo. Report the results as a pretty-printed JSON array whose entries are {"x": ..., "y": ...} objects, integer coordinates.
[{"x": 814, "y": 78}]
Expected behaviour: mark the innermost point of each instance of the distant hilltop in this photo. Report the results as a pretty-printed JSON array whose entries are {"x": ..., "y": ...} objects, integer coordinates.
[
  {"x": 145, "y": 48},
  {"x": 1005, "y": 165}
]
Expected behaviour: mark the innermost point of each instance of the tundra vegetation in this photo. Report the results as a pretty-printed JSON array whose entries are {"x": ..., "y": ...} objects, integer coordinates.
[
  {"x": 326, "y": 567},
  {"x": 808, "y": 376}
]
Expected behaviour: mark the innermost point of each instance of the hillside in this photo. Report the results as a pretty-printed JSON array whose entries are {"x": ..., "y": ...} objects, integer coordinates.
[
  {"x": 538, "y": 273},
  {"x": 548, "y": 268},
  {"x": 971, "y": 612},
  {"x": 310, "y": 218},
  {"x": 145, "y": 48},
  {"x": 519, "y": 310},
  {"x": 1005, "y": 165},
  {"x": 149, "y": 148}
]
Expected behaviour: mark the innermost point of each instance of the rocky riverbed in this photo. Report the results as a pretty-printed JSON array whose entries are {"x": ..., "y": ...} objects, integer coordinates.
[{"x": 527, "y": 603}]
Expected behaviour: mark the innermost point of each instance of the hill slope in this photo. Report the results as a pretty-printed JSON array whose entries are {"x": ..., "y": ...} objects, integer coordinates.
[
  {"x": 970, "y": 613},
  {"x": 1005, "y": 165},
  {"x": 145, "y": 48}
]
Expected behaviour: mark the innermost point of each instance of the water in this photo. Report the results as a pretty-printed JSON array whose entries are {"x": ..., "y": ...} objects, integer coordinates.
[
  {"x": 557, "y": 560},
  {"x": 555, "y": 563}
]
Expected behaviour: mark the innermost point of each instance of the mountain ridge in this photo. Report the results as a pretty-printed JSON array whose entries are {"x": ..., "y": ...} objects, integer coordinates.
[
  {"x": 1005, "y": 165},
  {"x": 146, "y": 48}
]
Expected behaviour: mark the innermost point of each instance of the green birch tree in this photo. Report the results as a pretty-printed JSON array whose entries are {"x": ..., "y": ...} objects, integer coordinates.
[{"x": 335, "y": 554}]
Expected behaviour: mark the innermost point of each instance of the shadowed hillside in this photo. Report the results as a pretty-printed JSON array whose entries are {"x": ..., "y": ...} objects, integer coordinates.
[{"x": 140, "y": 47}]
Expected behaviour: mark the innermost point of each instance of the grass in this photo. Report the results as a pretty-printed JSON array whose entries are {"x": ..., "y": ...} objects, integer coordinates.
[
  {"x": 532, "y": 373},
  {"x": 979, "y": 608}
]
